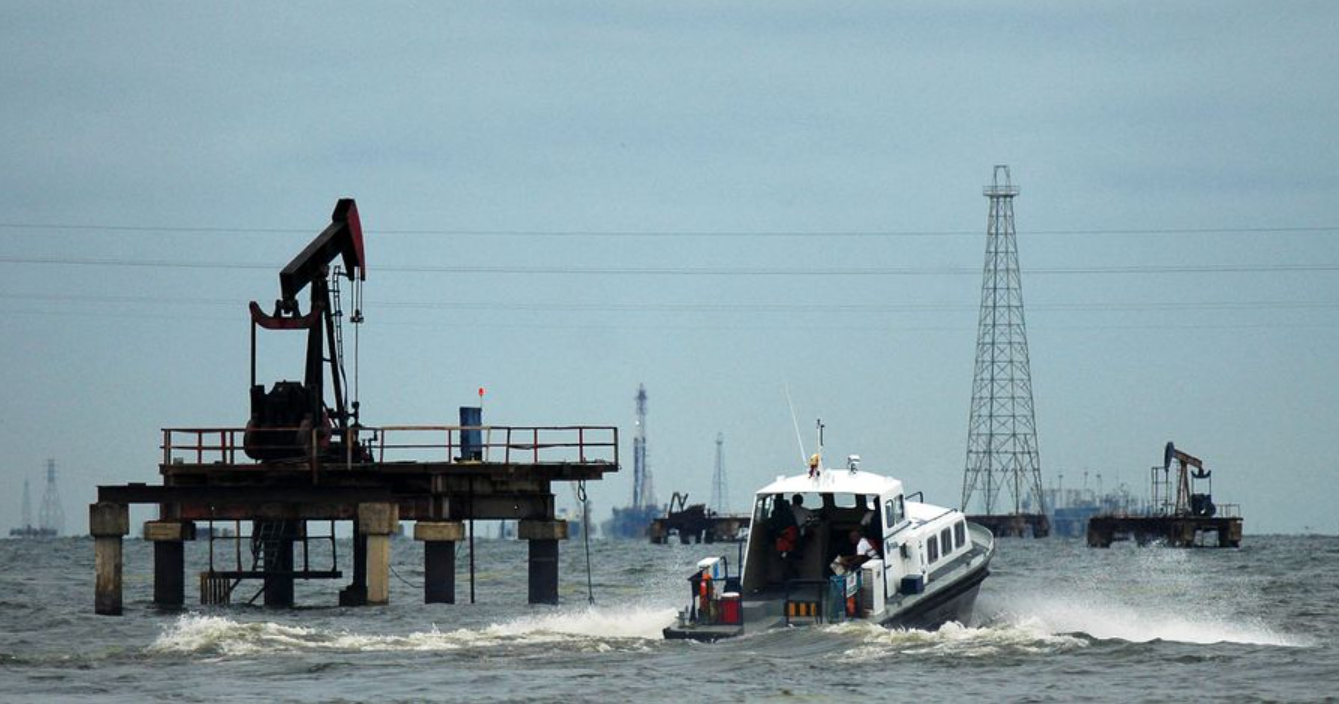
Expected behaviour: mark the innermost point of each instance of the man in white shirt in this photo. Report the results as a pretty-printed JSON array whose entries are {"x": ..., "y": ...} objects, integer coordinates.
[{"x": 864, "y": 551}]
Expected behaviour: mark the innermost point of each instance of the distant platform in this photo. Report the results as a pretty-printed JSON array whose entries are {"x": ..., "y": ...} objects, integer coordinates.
[
  {"x": 1015, "y": 525},
  {"x": 1174, "y": 531}
]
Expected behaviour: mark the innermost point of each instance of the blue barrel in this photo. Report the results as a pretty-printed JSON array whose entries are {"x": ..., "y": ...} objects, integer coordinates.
[{"x": 471, "y": 437}]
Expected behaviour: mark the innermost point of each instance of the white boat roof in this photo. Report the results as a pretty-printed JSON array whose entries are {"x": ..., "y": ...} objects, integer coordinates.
[{"x": 834, "y": 481}]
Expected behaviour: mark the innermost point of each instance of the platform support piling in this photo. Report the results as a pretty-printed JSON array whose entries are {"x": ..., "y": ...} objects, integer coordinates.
[
  {"x": 276, "y": 552},
  {"x": 377, "y": 522},
  {"x": 169, "y": 560},
  {"x": 107, "y": 523},
  {"x": 543, "y": 537},
  {"x": 356, "y": 593},
  {"x": 439, "y": 559}
]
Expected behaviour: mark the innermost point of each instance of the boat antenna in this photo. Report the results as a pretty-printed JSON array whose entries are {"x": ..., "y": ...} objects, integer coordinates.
[
  {"x": 820, "y": 425},
  {"x": 795, "y": 422}
]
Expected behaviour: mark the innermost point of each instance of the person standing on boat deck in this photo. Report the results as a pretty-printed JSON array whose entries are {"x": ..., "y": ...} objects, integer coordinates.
[
  {"x": 783, "y": 528},
  {"x": 864, "y": 551},
  {"x": 803, "y": 516}
]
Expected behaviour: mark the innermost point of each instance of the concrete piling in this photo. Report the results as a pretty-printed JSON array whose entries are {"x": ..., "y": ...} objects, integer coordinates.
[
  {"x": 377, "y": 522},
  {"x": 107, "y": 523},
  {"x": 276, "y": 546},
  {"x": 169, "y": 559},
  {"x": 439, "y": 559},
  {"x": 543, "y": 537}
]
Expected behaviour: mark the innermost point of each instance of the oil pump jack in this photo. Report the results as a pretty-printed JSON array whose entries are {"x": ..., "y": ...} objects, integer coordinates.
[
  {"x": 292, "y": 421},
  {"x": 1190, "y": 468}
]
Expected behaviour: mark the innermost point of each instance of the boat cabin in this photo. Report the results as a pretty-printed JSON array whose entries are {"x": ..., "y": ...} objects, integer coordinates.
[{"x": 799, "y": 540}]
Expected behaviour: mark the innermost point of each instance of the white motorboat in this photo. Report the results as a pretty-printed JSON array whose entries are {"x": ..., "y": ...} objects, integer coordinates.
[{"x": 923, "y": 564}]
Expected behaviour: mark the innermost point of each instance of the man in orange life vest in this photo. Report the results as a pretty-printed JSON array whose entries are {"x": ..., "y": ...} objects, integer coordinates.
[{"x": 790, "y": 523}]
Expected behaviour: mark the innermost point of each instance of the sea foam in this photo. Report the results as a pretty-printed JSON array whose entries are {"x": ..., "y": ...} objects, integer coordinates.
[
  {"x": 1028, "y": 637},
  {"x": 1104, "y": 619},
  {"x": 590, "y": 628}
]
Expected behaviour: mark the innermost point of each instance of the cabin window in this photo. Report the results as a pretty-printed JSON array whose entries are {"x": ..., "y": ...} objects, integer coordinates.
[
  {"x": 931, "y": 550},
  {"x": 960, "y": 533},
  {"x": 846, "y": 500},
  {"x": 892, "y": 511},
  {"x": 763, "y": 510},
  {"x": 946, "y": 541}
]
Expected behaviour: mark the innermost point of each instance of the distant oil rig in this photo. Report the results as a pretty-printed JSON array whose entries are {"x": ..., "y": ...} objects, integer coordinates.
[
  {"x": 306, "y": 460},
  {"x": 703, "y": 523},
  {"x": 51, "y": 518},
  {"x": 1181, "y": 511},
  {"x": 634, "y": 521},
  {"x": 1002, "y": 427}
]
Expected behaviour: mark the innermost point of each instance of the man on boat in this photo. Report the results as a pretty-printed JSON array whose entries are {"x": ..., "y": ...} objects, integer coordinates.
[
  {"x": 803, "y": 516},
  {"x": 864, "y": 552}
]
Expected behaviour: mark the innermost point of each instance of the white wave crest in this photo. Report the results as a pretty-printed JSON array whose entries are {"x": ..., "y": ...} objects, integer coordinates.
[
  {"x": 953, "y": 639},
  {"x": 589, "y": 629},
  {"x": 1140, "y": 623}
]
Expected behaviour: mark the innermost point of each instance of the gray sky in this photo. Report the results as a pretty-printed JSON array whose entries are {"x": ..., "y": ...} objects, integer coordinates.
[{"x": 683, "y": 118}]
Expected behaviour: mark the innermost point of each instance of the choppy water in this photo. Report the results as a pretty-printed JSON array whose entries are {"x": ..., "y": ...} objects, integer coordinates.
[{"x": 1056, "y": 622}]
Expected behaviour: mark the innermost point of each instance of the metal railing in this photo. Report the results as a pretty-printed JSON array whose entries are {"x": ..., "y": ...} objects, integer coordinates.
[{"x": 571, "y": 444}]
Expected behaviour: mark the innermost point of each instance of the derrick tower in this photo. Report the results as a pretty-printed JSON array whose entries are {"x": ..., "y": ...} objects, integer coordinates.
[
  {"x": 720, "y": 492},
  {"x": 27, "y": 507},
  {"x": 1001, "y": 431},
  {"x": 52, "y": 515},
  {"x": 643, "y": 493}
]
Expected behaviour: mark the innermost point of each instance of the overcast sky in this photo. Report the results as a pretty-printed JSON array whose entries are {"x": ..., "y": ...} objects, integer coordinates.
[{"x": 1126, "y": 124}]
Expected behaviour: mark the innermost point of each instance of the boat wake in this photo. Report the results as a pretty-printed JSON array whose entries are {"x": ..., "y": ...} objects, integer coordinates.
[
  {"x": 1101, "y": 619},
  {"x": 1057, "y": 623},
  {"x": 590, "y": 630},
  {"x": 956, "y": 640}
]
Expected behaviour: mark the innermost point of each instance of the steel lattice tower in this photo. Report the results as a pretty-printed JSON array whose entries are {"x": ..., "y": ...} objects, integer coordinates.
[
  {"x": 1002, "y": 429},
  {"x": 27, "y": 506},
  {"x": 643, "y": 494},
  {"x": 52, "y": 515},
  {"x": 720, "y": 492}
]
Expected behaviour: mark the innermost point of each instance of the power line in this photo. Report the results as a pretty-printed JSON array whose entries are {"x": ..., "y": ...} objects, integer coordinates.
[
  {"x": 568, "y": 233},
  {"x": 553, "y": 270},
  {"x": 700, "y": 307},
  {"x": 693, "y": 327}
]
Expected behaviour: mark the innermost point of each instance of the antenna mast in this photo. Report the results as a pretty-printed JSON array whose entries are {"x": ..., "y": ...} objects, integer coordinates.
[
  {"x": 52, "y": 515},
  {"x": 27, "y": 506},
  {"x": 1002, "y": 432},
  {"x": 720, "y": 497},
  {"x": 643, "y": 494}
]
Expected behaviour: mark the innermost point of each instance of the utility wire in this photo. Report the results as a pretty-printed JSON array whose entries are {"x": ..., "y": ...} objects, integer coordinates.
[
  {"x": 733, "y": 328},
  {"x": 700, "y": 307},
  {"x": 705, "y": 271},
  {"x": 567, "y": 233}
]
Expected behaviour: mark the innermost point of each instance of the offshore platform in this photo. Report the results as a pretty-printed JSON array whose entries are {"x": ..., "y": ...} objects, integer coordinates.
[
  {"x": 304, "y": 461},
  {"x": 633, "y": 522},
  {"x": 1181, "y": 512},
  {"x": 51, "y": 518},
  {"x": 703, "y": 523},
  {"x": 1002, "y": 428}
]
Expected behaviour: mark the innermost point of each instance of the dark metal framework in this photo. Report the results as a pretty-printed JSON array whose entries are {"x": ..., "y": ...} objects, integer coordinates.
[
  {"x": 52, "y": 515},
  {"x": 1002, "y": 430},
  {"x": 720, "y": 491},
  {"x": 643, "y": 493}
]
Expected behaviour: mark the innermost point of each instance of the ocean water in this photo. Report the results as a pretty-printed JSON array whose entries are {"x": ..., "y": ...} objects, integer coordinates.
[{"x": 1056, "y": 621}]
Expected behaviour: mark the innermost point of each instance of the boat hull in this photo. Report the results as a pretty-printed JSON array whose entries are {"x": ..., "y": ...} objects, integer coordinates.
[{"x": 954, "y": 602}]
